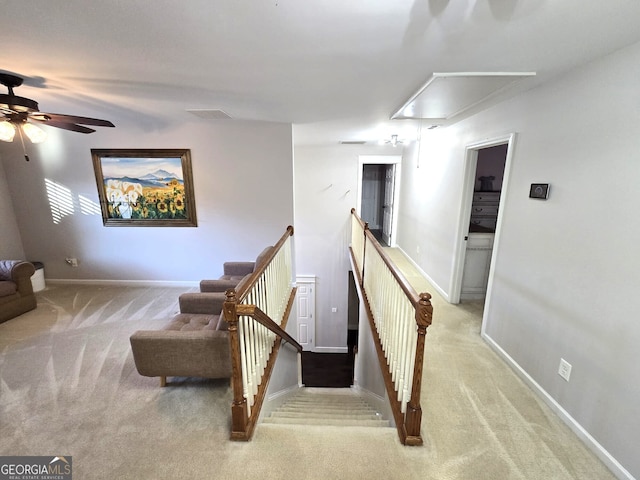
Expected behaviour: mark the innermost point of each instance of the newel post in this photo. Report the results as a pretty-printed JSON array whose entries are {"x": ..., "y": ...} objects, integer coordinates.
[
  {"x": 239, "y": 412},
  {"x": 413, "y": 417}
]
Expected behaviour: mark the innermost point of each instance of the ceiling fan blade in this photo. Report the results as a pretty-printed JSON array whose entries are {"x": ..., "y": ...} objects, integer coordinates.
[
  {"x": 65, "y": 126},
  {"x": 58, "y": 117}
]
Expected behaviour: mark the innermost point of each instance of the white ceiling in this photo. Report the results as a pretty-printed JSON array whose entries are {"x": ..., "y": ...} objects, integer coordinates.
[{"x": 336, "y": 69}]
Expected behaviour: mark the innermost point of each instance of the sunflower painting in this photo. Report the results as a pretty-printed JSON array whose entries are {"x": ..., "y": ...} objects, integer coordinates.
[{"x": 145, "y": 187}]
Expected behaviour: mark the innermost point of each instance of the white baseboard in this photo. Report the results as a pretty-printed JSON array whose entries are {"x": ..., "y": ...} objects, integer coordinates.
[
  {"x": 616, "y": 468},
  {"x": 123, "y": 283},
  {"x": 275, "y": 400},
  {"x": 444, "y": 294},
  {"x": 331, "y": 349}
]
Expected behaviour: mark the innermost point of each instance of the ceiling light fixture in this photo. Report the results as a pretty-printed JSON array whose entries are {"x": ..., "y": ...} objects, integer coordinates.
[
  {"x": 20, "y": 113},
  {"x": 394, "y": 141},
  {"x": 7, "y": 131},
  {"x": 9, "y": 127},
  {"x": 35, "y": 134}
]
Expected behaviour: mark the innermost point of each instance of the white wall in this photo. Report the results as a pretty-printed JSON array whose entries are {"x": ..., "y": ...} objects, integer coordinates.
[
  {"x": 326, "y": 187},
  {"x": 284, "y": 379},
  {"x": 10, "y": 241},
  {"x": 430, "y": 201},
  {"x": 564, "y": 281},
  {"x": 325, "y": 191},
  {"x": 367, "y": 374},
  {"x": 243, "y": 177}
]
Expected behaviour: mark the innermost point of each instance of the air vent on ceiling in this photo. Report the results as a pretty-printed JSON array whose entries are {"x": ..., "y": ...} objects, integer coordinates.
[
  {"x": 352, "y": 142},
  {"x": 210, "y": 114}
]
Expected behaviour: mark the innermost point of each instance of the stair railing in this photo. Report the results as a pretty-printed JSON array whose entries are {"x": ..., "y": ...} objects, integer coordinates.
[
  {"x": 399, "y": 318},
  {"x": 257, "y": 317}
]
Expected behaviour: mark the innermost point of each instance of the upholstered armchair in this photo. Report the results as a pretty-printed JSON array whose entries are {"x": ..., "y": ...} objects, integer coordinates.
[
  {"x": 234, "y": 273},
  {"x": 16, "y": 290},
  {"x": 195, "y": 343}
]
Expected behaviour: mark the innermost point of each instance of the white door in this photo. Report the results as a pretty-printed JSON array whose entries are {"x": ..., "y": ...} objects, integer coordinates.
[
  {"x": 305, "y": 298},
  {"x": 387, "y": 213}
]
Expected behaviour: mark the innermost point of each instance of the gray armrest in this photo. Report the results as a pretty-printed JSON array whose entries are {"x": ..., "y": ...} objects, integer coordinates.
[
  {"x": 19, "y": 272},
  {"x": 207, "y": 303},
  {"x": 238, "y": 269},
  {"x": 196, "y": 353},
  {"x": 217, "y": 285}
]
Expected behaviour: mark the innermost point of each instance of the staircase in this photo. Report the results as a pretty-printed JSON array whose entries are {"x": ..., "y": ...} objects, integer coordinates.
[{"x": 327, "y": 406}]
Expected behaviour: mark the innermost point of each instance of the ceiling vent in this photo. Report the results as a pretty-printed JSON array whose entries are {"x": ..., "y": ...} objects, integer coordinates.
[
  {"x": 446, "y": 96},
  {"x": 210, "y": 114},
  {"x": 352, "y": 142}
]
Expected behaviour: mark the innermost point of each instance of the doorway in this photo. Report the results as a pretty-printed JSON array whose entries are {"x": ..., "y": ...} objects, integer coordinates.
[
  {"x": 487, "y": 166},
  {"x": 485, "y": 206},
  {"x": 335, "y": 370},
  {"x": 378, "y": 195}
]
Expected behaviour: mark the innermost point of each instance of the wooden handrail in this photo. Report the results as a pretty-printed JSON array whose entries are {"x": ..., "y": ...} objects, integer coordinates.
[
  {"x": 365, "y": 225},
  {"x": 255, "y": 337},
  {"x": 261, "y": 268},
  {"x": 408, "y": 423},
  {"x": 264, "y": 319},
  {"x": 402, "y": 281},
  {"x": 409, "y": 291}
]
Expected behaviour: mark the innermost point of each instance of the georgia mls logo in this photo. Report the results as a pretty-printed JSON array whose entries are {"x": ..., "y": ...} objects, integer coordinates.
[
  {"x": 35, "y": 468},
  {"x": 59, "y": 465}
]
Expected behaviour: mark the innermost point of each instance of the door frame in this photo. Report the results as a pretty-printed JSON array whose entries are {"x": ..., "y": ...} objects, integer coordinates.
[
  {"x": 470, "y": 166},
  {"x": 388, "y": 211},
  {"x": 384, "y": 160}
]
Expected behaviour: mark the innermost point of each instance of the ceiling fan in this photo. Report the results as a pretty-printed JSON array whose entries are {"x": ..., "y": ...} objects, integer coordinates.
[{"x": 23, "y": 113}]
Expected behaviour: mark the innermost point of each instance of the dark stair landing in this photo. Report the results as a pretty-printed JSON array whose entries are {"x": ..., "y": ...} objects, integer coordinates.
[{"x": 333, "y": 370}]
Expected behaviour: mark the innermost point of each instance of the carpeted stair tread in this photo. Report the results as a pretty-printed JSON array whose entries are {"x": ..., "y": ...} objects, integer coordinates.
[
  {"x": 354, "y": 415},
  {"x": 338, "y": 422},
  {"x": 328, "y": 404},
  {"x": 321, "y": 406},
  {"x": 324, "y": 410}
]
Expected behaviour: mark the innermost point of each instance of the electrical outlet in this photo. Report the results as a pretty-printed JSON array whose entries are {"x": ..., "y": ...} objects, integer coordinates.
[
  {"x": 73, "y": 262},
  {"x": 565, "y": 369},
  {"x": 334, "y": 310}
]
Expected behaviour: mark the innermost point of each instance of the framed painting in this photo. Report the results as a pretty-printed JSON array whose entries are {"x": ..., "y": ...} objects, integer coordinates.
[{"x": 145, "y": 188}]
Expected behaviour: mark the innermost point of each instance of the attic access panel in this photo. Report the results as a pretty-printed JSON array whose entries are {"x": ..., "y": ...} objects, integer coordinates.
[{"x": 447, "y": 95}]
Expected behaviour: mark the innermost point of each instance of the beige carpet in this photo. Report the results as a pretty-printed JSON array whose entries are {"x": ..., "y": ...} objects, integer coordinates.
[
  {"x": 68, "y": 386},
  {"x": 328, "y": 406}
]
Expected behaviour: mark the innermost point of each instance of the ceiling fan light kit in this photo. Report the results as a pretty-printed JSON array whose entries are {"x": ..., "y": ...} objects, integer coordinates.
[
  {"x": 7, "y": 131},
  {"x": 33, "y": 133},
  {"x": 393, "y": 141},
  {"x": 22, "y": 112}
]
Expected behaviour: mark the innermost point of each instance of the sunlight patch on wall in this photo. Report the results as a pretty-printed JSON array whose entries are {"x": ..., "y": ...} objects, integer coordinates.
[
  {"x": 88, "y": 206},
  {"x": 60, "y": 200},
  {"x": 63, "y": 202}
]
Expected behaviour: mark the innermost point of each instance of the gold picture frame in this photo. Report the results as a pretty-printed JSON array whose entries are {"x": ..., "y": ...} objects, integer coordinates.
[{"x": 145, "y": 187}]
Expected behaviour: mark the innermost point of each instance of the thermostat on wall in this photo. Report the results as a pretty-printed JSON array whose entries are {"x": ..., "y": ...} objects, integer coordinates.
[{"x": 539, "y": 190}]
